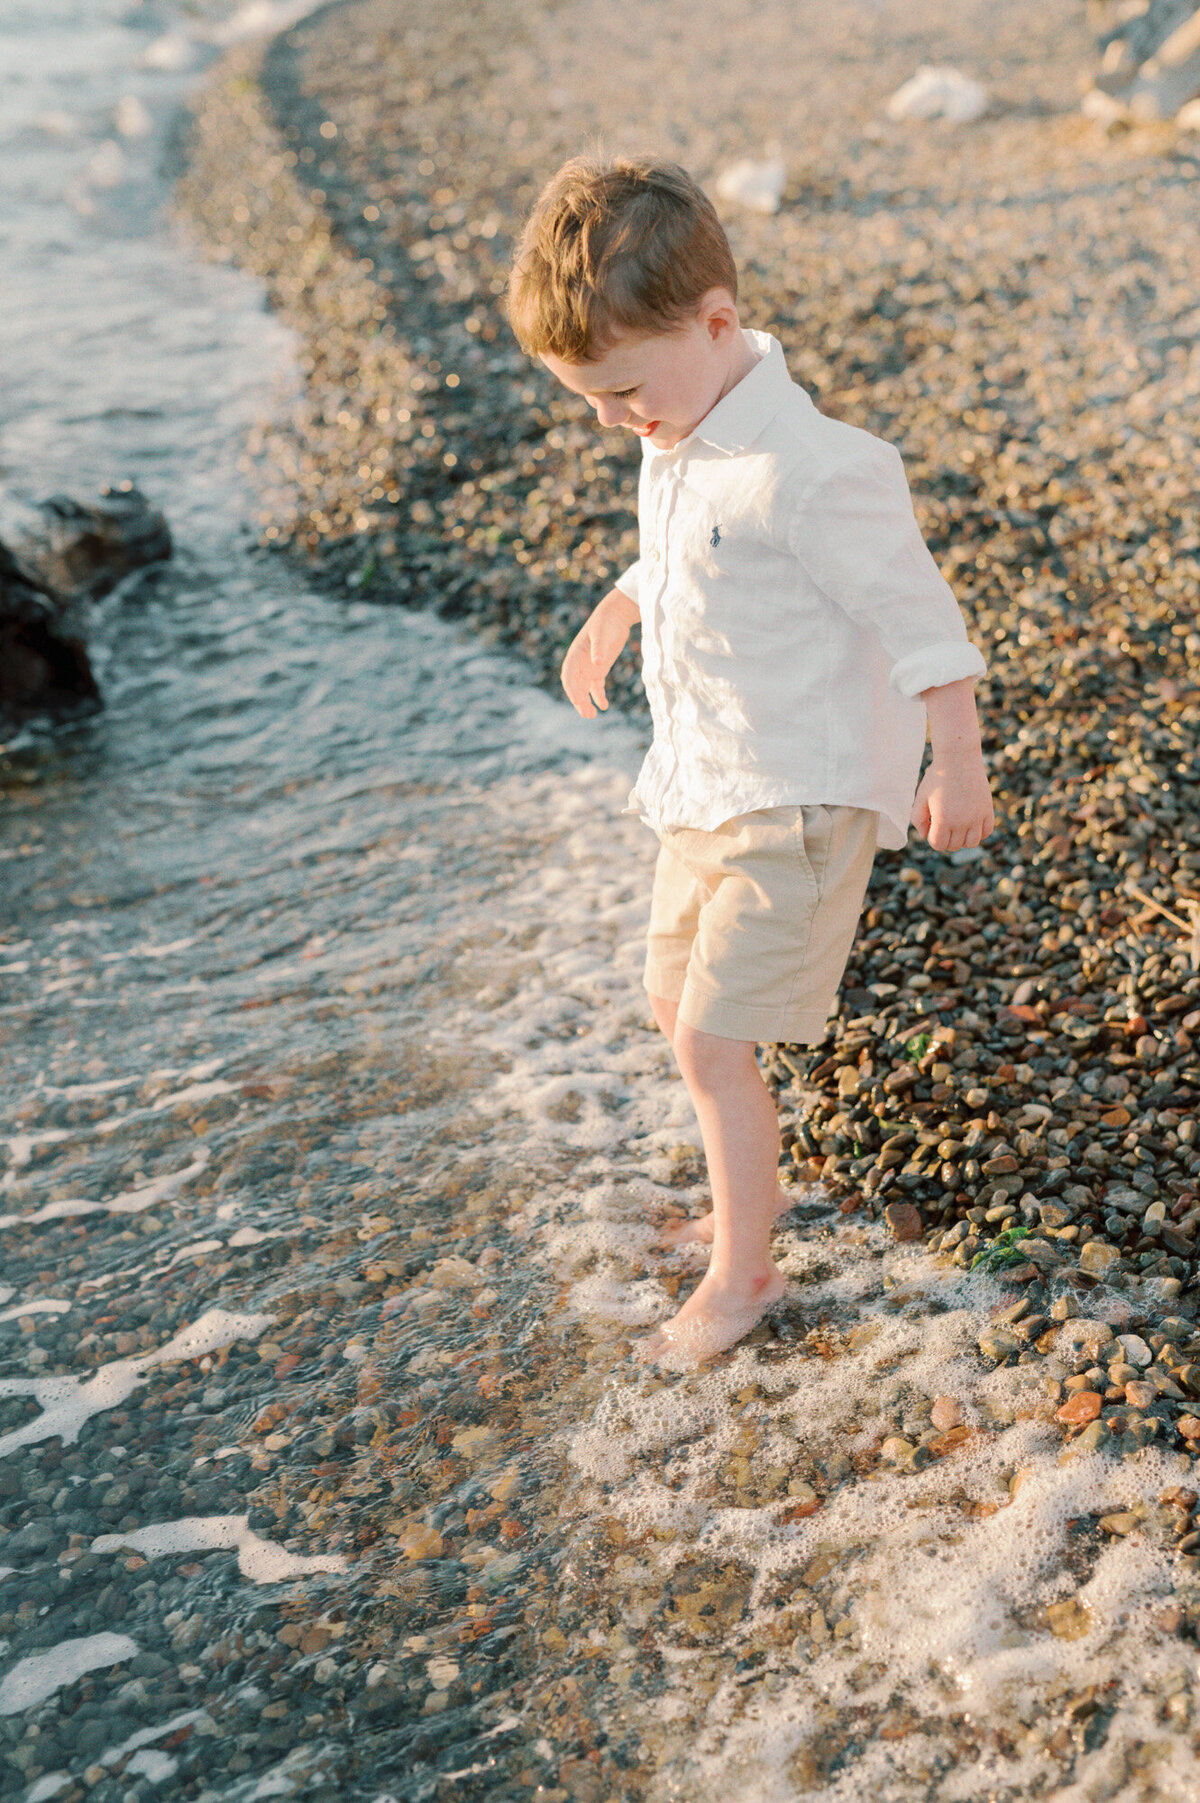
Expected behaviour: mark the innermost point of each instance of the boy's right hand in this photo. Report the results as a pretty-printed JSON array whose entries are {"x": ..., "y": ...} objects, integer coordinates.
[{"x": 595, "y": 649}]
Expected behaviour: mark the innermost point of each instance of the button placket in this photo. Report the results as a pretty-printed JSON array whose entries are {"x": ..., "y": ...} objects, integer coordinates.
[{"x": 671, "y": 686}]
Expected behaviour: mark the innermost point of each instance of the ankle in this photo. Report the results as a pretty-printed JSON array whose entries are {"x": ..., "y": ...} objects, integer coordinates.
[{"x": 747, "y": 1280}]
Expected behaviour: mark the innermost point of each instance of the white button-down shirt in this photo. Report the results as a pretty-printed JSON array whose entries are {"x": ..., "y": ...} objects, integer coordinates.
[{"x": 791, "y": 614}]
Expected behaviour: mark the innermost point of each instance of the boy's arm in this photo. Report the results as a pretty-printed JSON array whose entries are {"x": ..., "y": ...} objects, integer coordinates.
[
  {"x": 953, "y": 805},
  {"x": 855, "y": 533},
  {"x": 595, "y": 649}
]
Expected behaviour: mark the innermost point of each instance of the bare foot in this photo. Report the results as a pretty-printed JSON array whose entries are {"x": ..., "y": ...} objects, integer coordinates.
[
  {"x": 714, "y": 1317},
  {"x": 700, "y": 1230}
]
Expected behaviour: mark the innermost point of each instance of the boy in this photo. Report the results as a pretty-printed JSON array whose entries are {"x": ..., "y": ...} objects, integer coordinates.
[{"x": 796, "y": 639}]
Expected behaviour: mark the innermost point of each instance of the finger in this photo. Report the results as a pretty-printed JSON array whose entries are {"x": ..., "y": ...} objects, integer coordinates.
[
  {"x": 574, "y": 681},
  {"x": 598, "y": 695},
  {"x": 579, "y": 701}
]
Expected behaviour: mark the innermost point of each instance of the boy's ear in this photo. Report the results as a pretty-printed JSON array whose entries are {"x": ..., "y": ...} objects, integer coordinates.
[{"x": 718, "y": 312}]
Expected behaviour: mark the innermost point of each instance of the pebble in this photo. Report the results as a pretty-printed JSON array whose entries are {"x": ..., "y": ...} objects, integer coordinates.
[
  {"x": 1084, "y": 1406},
  {"x": 1135, "y": 1350},
  {"x": 998, "y": 1343},
  {"x": 1098, "y": 1258},
  {"x": 946, "y": 1413},
  {"x": 904, "y": 1221},
  {"x": 939, "y": 93}
]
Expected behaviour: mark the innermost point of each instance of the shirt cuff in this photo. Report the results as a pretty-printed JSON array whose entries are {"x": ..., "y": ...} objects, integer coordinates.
[
  {"x": 627, "y": 581},
  {"x": 935, "y": 665}
]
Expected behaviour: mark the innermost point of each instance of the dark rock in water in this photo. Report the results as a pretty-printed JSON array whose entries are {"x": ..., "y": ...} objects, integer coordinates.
[
  {"x": 55, "y": 556},
  {"x": 79, "y": 549},
  {"x": 44, "y": 666}
]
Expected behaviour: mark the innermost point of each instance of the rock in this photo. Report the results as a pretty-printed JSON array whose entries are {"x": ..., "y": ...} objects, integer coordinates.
[
  {"x": 998, "y": 1343},
  {"x": 1084, "y": 1406},
  {"x": 454, "y": 1273},
  {"x": 904, "y": 1221},
  {"x": 44, "y": 665},
  {"x": 904, "y": 1454},
  {"x": 1123, "y": 1199},
  {"x": 1042, "y": 1254},
  {"x": 945, "y": 1413},
  {"x": 1135, "y": 1350},
  {"x": 421, "y": 1542},
  {"x": 1094, "y": 1436},
  {"x": 1068, "y": 1620},
  {"x": 1170, "y": 78},
  {"x": 82, "y": 549},
  {"x": 756, "y": 186},
  {"x": 55, "y": 556},
  {"x": 937, "y": 92},
  {"x": 1081, "y": 1335},
  {"x": 1122, "y": 1523},
  {"x": 1132, "y": 34},
  {"x": 1098, "y": 1258},
  {"x": 1139, "y": 1395}
]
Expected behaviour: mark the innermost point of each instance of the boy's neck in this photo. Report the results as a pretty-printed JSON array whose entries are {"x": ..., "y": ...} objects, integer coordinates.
[{"x": 742, "y": 361}]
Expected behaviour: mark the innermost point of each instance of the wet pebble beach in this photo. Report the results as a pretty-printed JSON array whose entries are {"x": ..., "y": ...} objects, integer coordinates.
[{"x": 336, "y": 1132}]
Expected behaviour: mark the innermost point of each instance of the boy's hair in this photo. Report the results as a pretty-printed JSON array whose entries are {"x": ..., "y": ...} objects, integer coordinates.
[{"x": 630, "y": 244}]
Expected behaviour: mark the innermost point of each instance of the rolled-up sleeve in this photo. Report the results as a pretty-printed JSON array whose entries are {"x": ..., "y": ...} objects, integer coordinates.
[
  {"x": 857, "y": 537},
  {"x": 627, "y": 581}
]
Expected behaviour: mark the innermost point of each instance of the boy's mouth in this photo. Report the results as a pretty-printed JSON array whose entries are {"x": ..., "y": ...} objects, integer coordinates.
[{"x": 645, "y": 431}]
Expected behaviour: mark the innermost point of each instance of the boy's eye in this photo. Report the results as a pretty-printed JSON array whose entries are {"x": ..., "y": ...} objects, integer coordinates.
[{"x": 624, "y": 394}]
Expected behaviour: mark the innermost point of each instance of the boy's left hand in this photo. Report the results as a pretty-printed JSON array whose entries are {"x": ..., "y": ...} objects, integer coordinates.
[{"x": 953, "y": 805}]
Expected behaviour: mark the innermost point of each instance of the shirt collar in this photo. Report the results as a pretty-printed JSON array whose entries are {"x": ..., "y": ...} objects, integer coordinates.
[{"x": 738, "y": 417}]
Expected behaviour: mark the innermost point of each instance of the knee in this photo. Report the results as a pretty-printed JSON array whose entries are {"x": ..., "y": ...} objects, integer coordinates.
[
  {"x": 664, "y": 1013},
  {"x": 707, "y": 1062}
]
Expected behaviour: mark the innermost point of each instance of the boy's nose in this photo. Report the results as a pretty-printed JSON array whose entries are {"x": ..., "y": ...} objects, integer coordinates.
[{"x": 611, "y": 413}]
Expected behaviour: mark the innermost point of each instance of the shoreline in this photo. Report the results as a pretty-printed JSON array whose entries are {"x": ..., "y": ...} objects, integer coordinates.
[{"x": 1015, "y": 1057}]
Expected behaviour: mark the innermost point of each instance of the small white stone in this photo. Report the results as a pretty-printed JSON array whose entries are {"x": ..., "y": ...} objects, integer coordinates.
[
  {"x": 1135, "y": 1349},
  {"x": 936, "y": 92},
  {"x": 756, "y": 186}
]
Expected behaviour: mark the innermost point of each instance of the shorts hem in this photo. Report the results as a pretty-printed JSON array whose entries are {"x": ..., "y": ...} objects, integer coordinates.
[
  {"x": 765, "y": 1026},
  {"x": 662, "y": 981}
]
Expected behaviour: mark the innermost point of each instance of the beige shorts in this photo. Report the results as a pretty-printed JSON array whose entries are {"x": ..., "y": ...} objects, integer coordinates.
[{"x": 751, "y": 924}]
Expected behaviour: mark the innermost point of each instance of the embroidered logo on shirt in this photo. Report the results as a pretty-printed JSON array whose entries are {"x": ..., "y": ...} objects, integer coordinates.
[{"x": 715, "y": 540}]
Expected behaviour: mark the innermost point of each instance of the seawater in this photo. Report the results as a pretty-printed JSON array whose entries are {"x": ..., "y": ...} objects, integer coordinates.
[{"x": 320, "y": 949}]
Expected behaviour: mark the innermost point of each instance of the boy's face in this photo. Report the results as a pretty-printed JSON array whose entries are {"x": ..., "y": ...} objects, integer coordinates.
[{"x": 660, "y": 385}]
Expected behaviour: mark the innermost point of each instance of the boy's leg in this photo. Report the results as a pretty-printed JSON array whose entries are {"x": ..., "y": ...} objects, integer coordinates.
[
  {"x": 740, "y": 1129},
  {"x": 700, "y": 1230}
]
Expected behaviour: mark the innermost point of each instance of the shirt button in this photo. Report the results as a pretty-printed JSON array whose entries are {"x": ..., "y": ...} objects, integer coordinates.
[{"x": 654, "y": 557}]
